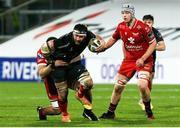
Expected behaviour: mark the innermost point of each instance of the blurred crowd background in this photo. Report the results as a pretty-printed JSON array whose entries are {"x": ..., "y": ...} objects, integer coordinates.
[{"x": 18, "y": 16}]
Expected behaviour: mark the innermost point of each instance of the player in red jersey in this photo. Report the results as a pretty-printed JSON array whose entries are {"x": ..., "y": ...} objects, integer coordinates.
[
  {"x": 139, "y": 43},
  {"x": 149, "y": 20},
  {"x": 44, "y": 69}
]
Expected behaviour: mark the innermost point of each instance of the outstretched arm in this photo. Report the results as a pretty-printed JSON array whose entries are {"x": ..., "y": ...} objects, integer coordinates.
[
  {"x": 105, "y": 45},
  {"x": 44, "y": 70},
  {"x": 110, "y": 43}
]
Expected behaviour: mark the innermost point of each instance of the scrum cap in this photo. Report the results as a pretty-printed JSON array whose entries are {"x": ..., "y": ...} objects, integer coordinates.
[
  {"x": 45, "y": 48},
  {"x": 51, "y": 38},
  {"x": 128, "y": 7},
  {"x": 80, "y": 29}
]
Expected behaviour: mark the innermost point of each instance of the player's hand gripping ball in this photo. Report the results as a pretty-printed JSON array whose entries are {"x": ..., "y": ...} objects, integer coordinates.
[{"x": 94, "y": 44}]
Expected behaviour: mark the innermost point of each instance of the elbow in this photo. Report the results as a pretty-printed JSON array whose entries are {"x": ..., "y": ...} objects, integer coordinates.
[
  {"x": 42, "y": 74},
  {"x": 164, "y": 48}
]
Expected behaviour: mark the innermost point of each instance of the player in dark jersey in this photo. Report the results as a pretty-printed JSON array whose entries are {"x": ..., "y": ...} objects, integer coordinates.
[
  {"x": 149, "y": 20},
  {"x": 69, "y": 72}
]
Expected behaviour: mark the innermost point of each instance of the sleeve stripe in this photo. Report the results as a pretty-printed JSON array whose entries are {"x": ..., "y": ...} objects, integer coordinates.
[{"x": 152, "y": 41}]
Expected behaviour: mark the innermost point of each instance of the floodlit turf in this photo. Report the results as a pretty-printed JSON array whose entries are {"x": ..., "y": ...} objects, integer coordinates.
[{"x": 18, "y": 102}]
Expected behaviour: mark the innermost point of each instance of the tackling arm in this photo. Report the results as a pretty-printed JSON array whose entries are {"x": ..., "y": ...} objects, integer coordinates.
[{"x": 44, "y": 70}]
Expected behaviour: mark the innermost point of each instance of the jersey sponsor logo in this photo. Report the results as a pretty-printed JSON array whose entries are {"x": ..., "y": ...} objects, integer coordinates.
[
  {"x": 134, "y": 47},
  {"x": 131, "y": 40}
]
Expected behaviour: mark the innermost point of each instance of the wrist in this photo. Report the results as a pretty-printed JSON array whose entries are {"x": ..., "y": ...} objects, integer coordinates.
[
  {"x": 142, "y": 58},
  {"x": 52, "y": 65}
]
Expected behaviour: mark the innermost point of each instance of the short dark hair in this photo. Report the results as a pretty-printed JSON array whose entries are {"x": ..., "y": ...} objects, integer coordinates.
[
  {"x": 80, "y": 29},
  {"x": 148, "y": 17},
  {"x": 51, "y": 38}
]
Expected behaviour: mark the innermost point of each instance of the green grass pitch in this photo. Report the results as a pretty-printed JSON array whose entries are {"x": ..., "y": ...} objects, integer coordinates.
[{"x": 18, "y": 102}]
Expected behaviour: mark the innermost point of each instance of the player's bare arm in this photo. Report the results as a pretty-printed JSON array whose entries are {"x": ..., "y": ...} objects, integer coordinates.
[
  {"x": 44, "y": 70},
  {"x": 161, "y": 46},
  {"x": 107, "y": 45},
  {"x": 110, "y": 43},
  {"x": 140, "y": 61}
]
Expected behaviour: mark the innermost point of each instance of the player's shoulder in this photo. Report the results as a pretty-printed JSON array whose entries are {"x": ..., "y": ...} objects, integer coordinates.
[
  {"x": 157, "y": 34},
  {"x": 90, "y": 34},
  {"x": 39, "y": 50},
  {"x": 63, "y": 40},
  {"x": 140, "y": 23},
  {"x": 64, "y": 37},
  {"x": 40, "y": 54},
  {"x": 121, "y": 25},
  {"x": 155, "y": 30}
]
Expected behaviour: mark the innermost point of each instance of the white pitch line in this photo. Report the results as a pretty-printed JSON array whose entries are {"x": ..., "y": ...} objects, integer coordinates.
[{"x": 94, "y": 97}]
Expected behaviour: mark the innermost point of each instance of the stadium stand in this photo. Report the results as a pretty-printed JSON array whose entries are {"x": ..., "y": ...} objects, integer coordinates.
[{"x": 18, "y": 16}]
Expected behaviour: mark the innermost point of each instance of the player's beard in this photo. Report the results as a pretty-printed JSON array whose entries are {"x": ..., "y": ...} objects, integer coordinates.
[{"x": 77, "y": 42}]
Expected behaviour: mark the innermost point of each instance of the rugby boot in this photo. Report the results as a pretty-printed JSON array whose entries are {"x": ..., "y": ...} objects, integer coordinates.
[
  {"x": 108, "y": 115},
  {"x": 42, "y": 115},
  {"x": 148, "y": 110},
  {"x": 149, "y": 114},
  {"x": 90, "y": 115},
  {"x": 66, "y": 118}
]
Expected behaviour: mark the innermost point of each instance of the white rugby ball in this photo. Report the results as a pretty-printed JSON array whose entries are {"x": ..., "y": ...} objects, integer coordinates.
[{"x": 93, "y": 44}]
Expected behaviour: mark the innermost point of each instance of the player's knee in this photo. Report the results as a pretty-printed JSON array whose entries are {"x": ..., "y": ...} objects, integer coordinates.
[
  {"x": 86, "y": 80},
  {"x": 120, "y": 85},
  {"x": 143, "y": 79},
  {"x": 62, "y": 90},
  {"x": 61, "y": 86}
]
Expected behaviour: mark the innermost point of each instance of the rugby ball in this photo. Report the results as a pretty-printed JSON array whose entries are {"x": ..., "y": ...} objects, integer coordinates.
[{"x": 93, "y": 44}]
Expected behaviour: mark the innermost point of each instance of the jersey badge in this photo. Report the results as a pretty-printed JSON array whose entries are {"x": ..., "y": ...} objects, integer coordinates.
[{"x": 131, "y": 40}]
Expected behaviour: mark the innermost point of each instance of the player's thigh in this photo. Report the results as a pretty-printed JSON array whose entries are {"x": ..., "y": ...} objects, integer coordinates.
[
  {"x": 127, "y": 69},
  {"x": 76, "y": 71},
  {"x": 78, "y": 74},
  {"x": 50, "y": 86},
  {"x": 59, "y": 74}
]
